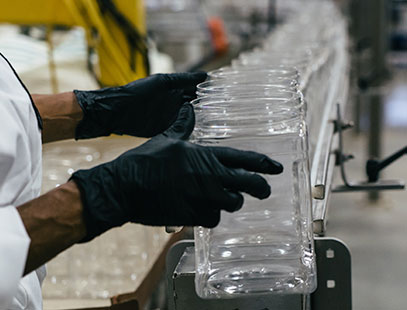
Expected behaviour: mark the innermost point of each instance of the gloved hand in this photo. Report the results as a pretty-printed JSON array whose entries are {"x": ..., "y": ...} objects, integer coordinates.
[
  {"x": 143, "y": 108},
  {"x": 168, "y": 181}
]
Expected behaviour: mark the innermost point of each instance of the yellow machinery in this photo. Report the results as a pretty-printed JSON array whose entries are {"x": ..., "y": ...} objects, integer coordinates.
[{"x": 115, "y": 29}]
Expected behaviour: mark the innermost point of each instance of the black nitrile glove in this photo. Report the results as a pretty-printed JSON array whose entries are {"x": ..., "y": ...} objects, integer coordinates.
[
  {"x": 168, "y": 181},
  {"x": 143, "y": 108}
]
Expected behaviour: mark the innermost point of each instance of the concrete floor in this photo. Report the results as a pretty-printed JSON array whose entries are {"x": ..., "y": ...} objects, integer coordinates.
[{"x": 376, "y": 233}]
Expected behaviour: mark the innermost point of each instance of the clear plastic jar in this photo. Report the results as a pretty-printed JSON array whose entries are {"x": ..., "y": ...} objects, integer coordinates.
[
  {"x": 276, "y": 71},
  {"x": 267, "y": 246},
  {"x": 227, "y": 88},
  {"x": 242, "y": 85},
  {"x": 280, "y": 101},
  {"x": 256, "y": 79},
  {"x": 266, "y": 103},
  {"x": 300, "y": 63}
]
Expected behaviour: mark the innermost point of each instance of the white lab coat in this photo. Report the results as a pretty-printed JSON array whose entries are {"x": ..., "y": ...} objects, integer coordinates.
[{"x": 20, "y": 181}]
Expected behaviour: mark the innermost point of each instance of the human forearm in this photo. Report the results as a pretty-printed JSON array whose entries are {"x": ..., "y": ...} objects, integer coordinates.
[
  {"x": 54, "y": 222},
  {"x": 60, "y": 115},
  {"x": 142, "y": 108}
]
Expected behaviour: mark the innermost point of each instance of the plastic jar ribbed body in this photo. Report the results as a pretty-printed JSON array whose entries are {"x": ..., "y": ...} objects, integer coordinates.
[{"x": 267, "y": 246}]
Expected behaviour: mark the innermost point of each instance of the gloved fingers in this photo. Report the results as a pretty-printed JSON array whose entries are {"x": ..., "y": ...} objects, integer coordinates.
[
  {"x": 167, "y": 114},
  {"x": 247, "y": 160},
  {"x": 232, "y": 201},
  {"x": 188, "y": 98},
  {"x": 183, "y": 125},
  {"x": 222, "y": 199},
  {"x": 174, "y": 102},
  {"x": 209, "y": 218},
  {"x": 186, "y": 81},
  {"x": 239, "y": 180}
]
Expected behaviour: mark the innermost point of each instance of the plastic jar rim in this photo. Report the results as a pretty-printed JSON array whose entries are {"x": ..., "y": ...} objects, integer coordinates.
[
  {"x": 279, "y": 93},
  {"x": 243, "y": 81},
  {"x": 293, "y": 124},
  {"x": 294, "y": 95},
  {"x": 273, "y": 68}
]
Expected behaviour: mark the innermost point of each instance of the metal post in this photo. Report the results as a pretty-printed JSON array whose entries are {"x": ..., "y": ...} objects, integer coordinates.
[
  {"x": 379, "y": 38},
  {"x": 375, "y": 133}
]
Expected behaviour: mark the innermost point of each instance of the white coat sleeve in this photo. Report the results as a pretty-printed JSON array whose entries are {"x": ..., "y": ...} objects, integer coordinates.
[
  {"x": 14, "y": 243},
  {"x": 14, "y": 240}
]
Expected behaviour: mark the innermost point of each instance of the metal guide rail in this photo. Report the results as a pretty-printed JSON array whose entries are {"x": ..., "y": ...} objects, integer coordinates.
[
  {"x": 329, "y": 153},
  {"x": 323, "y": 162}
]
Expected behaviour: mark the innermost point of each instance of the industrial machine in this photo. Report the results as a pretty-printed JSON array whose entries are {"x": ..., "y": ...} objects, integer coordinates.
[{"x": 115, "y": 30}]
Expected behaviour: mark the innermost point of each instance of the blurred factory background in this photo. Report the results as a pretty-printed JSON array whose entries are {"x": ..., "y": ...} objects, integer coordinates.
[{"x": 59, "y": 46}]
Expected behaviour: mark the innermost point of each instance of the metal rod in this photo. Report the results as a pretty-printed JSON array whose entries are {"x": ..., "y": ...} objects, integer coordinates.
[{"x": 384, "y": 163}]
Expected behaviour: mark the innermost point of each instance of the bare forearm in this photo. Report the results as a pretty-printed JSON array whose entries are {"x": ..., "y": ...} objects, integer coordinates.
[
  {"x": 60, "y": 114},
  {"x": 54, "y": 222}
]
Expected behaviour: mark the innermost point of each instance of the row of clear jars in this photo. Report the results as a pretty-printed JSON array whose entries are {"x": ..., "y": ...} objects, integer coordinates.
[{"x": 257, "y": 104}]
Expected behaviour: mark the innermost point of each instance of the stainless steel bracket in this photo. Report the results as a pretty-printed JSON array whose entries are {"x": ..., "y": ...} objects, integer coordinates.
[
  {"x": 333, "y": 273},
  {"x": 331, "y": 154}
]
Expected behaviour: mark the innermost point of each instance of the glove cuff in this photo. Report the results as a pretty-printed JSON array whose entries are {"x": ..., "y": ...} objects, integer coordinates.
[
  {"x": 81, "y": 99},
  {"x": 89, "y": 126},
  {"x": 92, "y": 230},
  {"x": 99, "y": 212}
]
